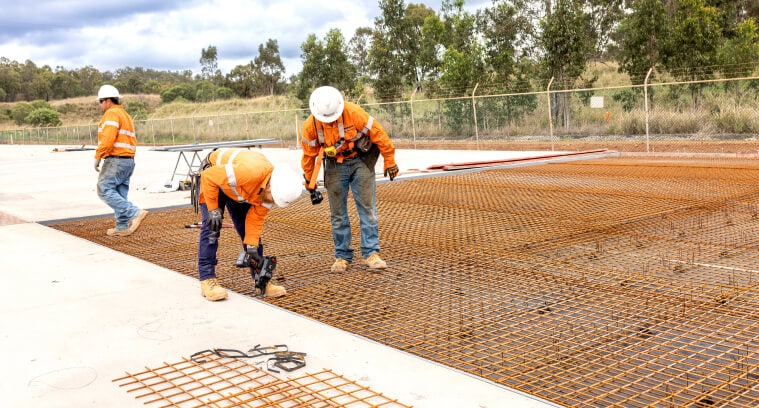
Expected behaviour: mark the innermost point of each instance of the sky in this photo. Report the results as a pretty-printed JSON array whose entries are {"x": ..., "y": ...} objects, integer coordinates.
[{"x": 169, "y": 35}]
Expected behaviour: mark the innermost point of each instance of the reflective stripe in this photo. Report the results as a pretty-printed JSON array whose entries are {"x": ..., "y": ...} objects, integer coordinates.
[
  {"x": 126, "y": 132},
  {"x": 125, "y": 146},
  {"x": 320, "y": 132},
  {"x": 313, "y": 143},
  {"x": 368, "y": 125},
  {"x": 232, "y": 180},
  {"x": 110, "y": 123}
]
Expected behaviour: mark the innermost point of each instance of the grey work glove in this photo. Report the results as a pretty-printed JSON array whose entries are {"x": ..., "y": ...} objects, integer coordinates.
[
  {"x": 97, "y": 165},
  {"x": 391, "y": 172},
  {"x": 213, "y": 222}
]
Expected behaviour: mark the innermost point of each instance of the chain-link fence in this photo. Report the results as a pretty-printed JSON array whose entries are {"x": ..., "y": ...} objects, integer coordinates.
[{"x": 662, "y": 116}]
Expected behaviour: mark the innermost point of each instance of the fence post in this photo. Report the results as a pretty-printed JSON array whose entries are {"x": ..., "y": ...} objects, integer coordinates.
[
  {"x": 474, "y": 111},
  {"x": 645, "y": 97},
  {"x": 413, "y": 125},
  {"x": 550, "y": 118}
]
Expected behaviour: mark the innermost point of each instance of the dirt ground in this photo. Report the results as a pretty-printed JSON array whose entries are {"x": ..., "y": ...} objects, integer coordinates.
[{"x": 710, "y": 146}]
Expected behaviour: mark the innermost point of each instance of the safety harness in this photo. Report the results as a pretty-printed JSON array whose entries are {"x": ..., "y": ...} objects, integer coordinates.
[{"x": 340, "y": 151}]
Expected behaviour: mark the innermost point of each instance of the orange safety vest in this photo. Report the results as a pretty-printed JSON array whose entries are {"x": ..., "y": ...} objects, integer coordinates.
[
  {"x": 116, "y": 136},
  {"x": 342, "y": 135},
  {"x": 242, "y": 175}
]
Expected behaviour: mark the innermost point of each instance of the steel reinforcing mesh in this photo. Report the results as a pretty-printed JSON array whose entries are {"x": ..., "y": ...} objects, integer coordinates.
[{"x": 611, "y": 282}]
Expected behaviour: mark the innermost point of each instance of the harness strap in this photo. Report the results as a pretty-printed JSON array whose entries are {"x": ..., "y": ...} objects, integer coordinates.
[{"x": 317, "y": 167}]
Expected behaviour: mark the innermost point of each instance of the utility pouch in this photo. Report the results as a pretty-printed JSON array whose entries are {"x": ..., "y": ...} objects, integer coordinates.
[
  {"x": 362, "y": 143},
  {"x": 370, "y": 157}
]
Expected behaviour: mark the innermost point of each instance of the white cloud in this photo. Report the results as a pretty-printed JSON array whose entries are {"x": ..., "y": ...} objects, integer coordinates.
[{"x": 169, "y": 35}]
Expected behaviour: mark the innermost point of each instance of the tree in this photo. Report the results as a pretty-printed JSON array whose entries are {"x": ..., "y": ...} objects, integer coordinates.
[
  {"x": 209, "y": 63},
  {"x": 693, "y": 45},
  {"x": 325, "y": 63},
  {"x": 738, "y": 55},
  {"x": 242, "y": 80},
  {"x": 567, "y": 43},
  {"x": 10, "y": 79},
  {"x": 358, "y": 49},
  {"x": 268, "y": 66}
]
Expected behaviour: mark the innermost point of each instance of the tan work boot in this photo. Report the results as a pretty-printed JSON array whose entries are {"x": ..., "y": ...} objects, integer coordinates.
[
  {"x": 340, "y": 265},
  {"x": 375, "y": 262},
  {"x": 113, "y": 232},
  {"x": 137, "y": 220},
  {"x": 275, "y": 291},
  {"x": 212, "y": 290}
]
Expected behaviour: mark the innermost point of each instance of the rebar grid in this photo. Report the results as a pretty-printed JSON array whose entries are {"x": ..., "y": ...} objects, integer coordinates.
[
  {"x": 229, "y": 382},
  {"x": 612, "y": 282}
]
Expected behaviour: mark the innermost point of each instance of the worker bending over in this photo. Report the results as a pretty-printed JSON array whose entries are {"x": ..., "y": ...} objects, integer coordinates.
[{"x": 247, "y": 184}]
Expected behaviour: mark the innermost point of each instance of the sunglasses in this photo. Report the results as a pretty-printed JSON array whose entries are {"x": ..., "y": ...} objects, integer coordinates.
[{"x": 101, "y": 100}]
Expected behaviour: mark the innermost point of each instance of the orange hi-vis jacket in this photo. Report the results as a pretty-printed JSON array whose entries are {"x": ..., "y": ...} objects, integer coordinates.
[
  {"x": 353, "y": 120},
  {"x": 116, "y": 135},
  {"x": 242, "y": 175}
]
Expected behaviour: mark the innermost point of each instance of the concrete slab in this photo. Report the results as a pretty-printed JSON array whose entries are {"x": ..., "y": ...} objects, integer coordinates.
[{"x": 77, "y": 315}]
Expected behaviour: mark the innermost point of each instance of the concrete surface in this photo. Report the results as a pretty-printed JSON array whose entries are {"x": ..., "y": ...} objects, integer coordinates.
[{"x": 77, "y": 315}]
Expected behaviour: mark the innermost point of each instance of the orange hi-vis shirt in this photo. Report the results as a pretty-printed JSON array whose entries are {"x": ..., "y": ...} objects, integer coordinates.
[
  {"x": 354, "y": 120},
  {"x": 116, "y": 136},
  {"x": 242, "y": 175}
]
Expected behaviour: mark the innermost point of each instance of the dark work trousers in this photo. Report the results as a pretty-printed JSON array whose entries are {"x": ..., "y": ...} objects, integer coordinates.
[{"x": 207, "y": 247}]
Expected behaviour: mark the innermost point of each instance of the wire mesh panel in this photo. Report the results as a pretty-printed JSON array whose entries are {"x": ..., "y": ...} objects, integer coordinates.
[
  {"x": 227, "y": 382},
  {"x": 612, "y": 282}
]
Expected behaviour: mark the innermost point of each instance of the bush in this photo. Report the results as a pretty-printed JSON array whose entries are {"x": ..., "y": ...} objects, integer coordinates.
[
  {"x": 20, "y": 112},
  {"x": 44, "y": 117},
  {"x": 185, "y": 91},
  {"x": 137, "y": 110},
  {"x": 224, "y": 93}
]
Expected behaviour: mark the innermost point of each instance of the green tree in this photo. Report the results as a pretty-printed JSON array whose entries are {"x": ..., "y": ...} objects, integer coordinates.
[
  {"x": 241, "y": 80},
  {"x": 693, "y": 45},
  {"x": 738, "y": 55},
  {"x": 41, "y": 86},
  {"x": 567, "y": 43},
  {"x": 268, "y": 67},
  {"x": 325, "y": 63},
  {"x": 209, "y": 66},
  {"x": 10, "y": 78},
  {"x": 358, "y": 49}
]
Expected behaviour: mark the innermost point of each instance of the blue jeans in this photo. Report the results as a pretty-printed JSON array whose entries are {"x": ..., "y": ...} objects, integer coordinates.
[
  {"x": 208, "y": 247},
  {"x": 113, "y": 188},
  {"x": 356, "y": 176}
]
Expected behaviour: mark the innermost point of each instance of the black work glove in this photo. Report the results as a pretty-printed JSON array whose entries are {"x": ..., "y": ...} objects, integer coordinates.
[
  {"x": 213, "y": 222},
  {"x": 391, "y": 172},
  {"x": 252, "y": 251}
]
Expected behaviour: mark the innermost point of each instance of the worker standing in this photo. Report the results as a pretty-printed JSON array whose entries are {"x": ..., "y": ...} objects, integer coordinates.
[
  {"x": 349, "y": 140},
  {"x": 117, "y": 144},
  {"x": 247, "y": 184}
]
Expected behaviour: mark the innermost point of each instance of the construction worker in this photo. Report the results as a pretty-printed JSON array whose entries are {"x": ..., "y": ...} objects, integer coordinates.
[
  {"x": 350, "y": 141},
  {"x": 117, "y": 144},
  {"x": 248, "y": 185}
]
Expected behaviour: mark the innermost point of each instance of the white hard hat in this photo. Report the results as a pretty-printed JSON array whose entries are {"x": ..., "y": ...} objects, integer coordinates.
[
  {"x": 326, "y": 104},
  {"x": 108, "y": 91},
  {"x": 286, "y": 185}
]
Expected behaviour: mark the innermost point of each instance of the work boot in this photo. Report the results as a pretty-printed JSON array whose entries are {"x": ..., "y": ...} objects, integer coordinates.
[
  {"x": 375, "y": 262},
  {"x": 113, "y": 232},
  {"x": 340, "y": 265},
  {"x": 137, "y": 220},
  {"x": 212, "y": 290},
  {"x": 275, "y": 291}
]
